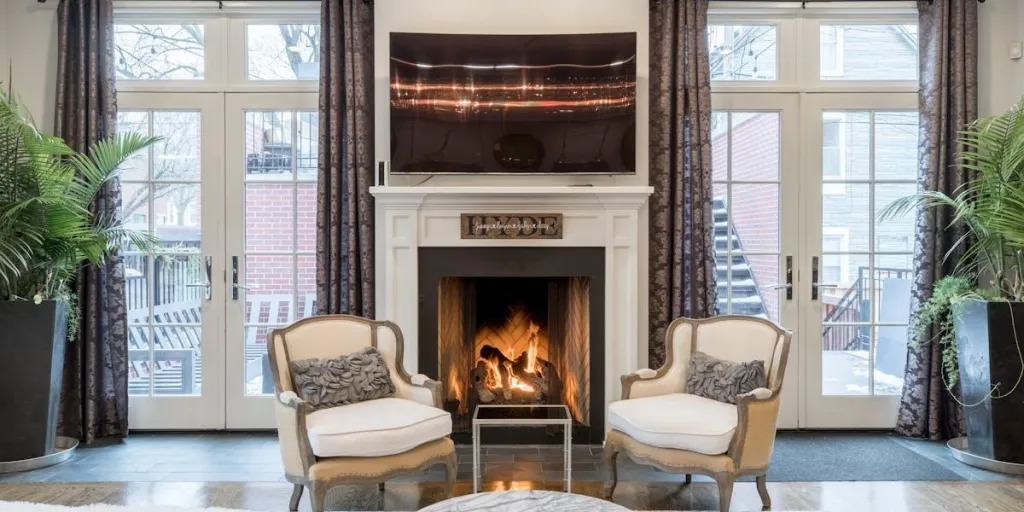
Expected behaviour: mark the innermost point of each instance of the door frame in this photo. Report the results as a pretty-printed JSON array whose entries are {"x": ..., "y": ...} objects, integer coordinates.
[
  {"x": 819, "y": 411},
  {"x": 206, "y": 410},
  {"x": 787, "y": 105}
]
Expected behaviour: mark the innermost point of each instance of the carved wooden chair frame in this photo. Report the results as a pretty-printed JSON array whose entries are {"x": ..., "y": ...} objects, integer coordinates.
[
  {"x": 437, "y": 451},
  {"x": 753, "y": 413}
]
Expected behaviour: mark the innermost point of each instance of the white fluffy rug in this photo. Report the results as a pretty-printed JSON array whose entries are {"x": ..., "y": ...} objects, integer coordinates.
[{"x": 21, "y": 506}]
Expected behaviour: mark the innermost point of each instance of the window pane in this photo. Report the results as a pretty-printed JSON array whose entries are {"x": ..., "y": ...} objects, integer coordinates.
[
  {"x": 159, "y": 52},
  {"x": 283, "y": 52},
  {"x": 135, "y": 168},
  {"x": 896, "y": 145},
  {"x": 176, "y": 157},
  {"x": 268, "y": 145},
  {"x": 743, "y": 52},
  {"x": 869, "y": 52},
  {"x": 846, "y": 147}
]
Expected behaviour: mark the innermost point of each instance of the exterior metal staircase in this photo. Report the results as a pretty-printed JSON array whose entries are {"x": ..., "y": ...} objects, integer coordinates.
[{"x": 746, "y": 297}]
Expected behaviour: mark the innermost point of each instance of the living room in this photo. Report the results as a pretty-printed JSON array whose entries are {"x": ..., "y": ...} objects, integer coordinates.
[{"x": 405, "y": 255}]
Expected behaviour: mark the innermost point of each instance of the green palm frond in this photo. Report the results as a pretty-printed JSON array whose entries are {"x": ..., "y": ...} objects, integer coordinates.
[{"x": 989, "y": 209}]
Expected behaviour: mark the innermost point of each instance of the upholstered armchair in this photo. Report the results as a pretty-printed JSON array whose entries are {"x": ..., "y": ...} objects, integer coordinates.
[
  {"x": 657, "y": 424},
  {"x": 365, "y": 442}
]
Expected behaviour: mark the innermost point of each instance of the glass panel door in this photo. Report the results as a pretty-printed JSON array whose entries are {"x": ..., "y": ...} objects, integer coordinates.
[
  {"x": 861, "y": 158},
  {"x": 754, "y": 159},
  {"x": 271, "y": 201},
  {"x": 174, "y": 316}
]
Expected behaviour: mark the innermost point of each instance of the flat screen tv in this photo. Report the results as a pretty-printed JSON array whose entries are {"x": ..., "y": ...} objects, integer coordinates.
[{"x": 513, "y": 104}]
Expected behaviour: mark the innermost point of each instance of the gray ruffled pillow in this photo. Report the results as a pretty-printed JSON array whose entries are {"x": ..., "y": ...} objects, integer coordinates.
[
  {"x": 348, "y": 379},
  {"x": 722, "y": 380}
]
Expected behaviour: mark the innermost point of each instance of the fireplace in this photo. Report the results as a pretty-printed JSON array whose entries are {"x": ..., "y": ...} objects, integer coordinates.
[{"x": 515, "y": 326}]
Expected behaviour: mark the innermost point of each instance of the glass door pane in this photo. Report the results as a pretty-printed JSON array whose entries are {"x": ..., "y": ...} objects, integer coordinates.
[
  {"x": 748, "y": 210},
  {"x": 755, "y": 157},
  {"x": 273, "y": 233},
  {"x": 867, "y": 159},
  {"x": 172, "y": 324}
]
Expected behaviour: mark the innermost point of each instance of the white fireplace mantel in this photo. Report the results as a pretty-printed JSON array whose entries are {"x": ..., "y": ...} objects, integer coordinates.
[{"x": 411, "y": 217}]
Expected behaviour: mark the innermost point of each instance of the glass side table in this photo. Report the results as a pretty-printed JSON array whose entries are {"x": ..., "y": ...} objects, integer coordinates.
[{"x": 523, "y": 416}]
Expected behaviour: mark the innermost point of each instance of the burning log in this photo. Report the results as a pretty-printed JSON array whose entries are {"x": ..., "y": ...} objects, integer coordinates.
[{"x": 497, "y": 378}]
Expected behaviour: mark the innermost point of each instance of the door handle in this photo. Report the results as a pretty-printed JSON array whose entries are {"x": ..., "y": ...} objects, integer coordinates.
[
  {"x": 234, "y": 280},
  {"x": 208, "y": 293},
  {"x": 815, "y": 285},
  {"x": 789, "y": 280}
]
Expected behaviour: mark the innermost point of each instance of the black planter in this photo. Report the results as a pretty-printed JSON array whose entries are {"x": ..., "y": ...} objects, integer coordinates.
[
  {"x": 32, "y": 341},
  {"x": 987, "y": 354}
]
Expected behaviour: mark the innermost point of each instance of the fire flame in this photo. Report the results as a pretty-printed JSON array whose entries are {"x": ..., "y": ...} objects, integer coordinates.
[
  {"x": 514, "y": 383},
  {"x": 494, "y": 374},
  {"x": 531, "y": 351}
]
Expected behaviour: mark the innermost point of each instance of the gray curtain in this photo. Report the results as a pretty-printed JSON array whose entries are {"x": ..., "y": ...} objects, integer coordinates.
[
  {"x": 948, "y": 38},
  {"x": 682, "y": 250},
  {"x": 344, "y": 265},
  {"x": 94, "y": 399}
]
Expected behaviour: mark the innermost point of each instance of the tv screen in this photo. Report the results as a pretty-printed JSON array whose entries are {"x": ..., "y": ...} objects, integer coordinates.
[{"x": 513, "y": 104}]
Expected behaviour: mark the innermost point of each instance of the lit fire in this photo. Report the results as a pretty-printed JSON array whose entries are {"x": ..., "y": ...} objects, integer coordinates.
[{"x": 496, "y": 369}]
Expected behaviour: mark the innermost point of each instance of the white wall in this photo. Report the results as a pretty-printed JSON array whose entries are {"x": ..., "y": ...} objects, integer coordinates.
[
  {"x": 31, "y": 35},
  {"x": 1000, "y": 79}
]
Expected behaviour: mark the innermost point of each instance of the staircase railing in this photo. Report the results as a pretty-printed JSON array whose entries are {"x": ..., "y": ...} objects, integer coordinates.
[{"x": 855, "y": 306}]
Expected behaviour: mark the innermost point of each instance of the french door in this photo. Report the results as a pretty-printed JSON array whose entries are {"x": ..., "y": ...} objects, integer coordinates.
[
  {"x": 861, "y": 153},
  {"x": 230, "y": 194},
  {"x": 755, "y": 164},
  {"x": 173, "y": 296}
]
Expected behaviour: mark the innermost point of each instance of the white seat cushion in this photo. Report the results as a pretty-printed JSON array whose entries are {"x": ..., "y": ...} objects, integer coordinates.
[
  {"x": 678, "y": 420},
  {"x": 375, "y": 428}
]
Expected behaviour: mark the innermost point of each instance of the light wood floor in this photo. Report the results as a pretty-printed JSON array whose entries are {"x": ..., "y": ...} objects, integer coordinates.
[{"x": 831, "y": 496}]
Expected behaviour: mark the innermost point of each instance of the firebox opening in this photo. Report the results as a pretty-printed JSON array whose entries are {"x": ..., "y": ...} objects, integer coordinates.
[
  {"x": 510, "y": 343},
  {"x": 504, "y": 341}
]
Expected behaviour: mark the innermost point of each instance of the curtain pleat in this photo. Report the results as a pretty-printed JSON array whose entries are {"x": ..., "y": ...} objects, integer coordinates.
[
  {"x": 682, "y": 249},
  {"x": 345, "y": 256},
  {"x": 94, "y": 397},
  {"x": 948, "y": 102}
]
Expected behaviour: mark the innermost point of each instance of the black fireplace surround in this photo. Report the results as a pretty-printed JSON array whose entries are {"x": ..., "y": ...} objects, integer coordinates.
[{"x": 510, "y": 262}]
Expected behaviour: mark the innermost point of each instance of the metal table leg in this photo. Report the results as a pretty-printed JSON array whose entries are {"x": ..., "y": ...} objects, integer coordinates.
[
  {"x": 476, "y": 458},
  {"x": 567, "y": 439}
]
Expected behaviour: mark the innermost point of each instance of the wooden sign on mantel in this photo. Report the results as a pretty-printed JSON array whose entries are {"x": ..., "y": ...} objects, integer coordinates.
[{"x": 505, "y": 226}]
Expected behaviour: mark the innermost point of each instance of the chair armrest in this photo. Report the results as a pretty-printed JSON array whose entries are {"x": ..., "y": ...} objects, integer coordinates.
[
  {"x": 647, "y": 382},
  {"x": 419, "y": 388},
  {"x": 752, "y": 445},
  {"x": 296, "y": 453}
]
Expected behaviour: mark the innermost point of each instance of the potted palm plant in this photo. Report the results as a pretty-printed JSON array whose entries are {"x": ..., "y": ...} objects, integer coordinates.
[
  {"x": 47, "y": 231},
  {"x": 977, "y": 312}
]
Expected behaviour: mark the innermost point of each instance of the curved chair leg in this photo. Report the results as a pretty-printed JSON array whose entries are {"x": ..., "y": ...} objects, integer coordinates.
[
  {"x": 762, "y": 489},
  {"x": 317, "y": 495},
  {"x": 724, "y": 481},
  {"x": 293, "y": 504},
  {"x": 611, "y": 453},
  {"x": 450, "y": 470}
]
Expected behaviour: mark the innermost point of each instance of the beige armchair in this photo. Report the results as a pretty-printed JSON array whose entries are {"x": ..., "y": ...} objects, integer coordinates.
[
  {"x": 657, "y": 424},
  {"x": 366, "y": 442}
]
